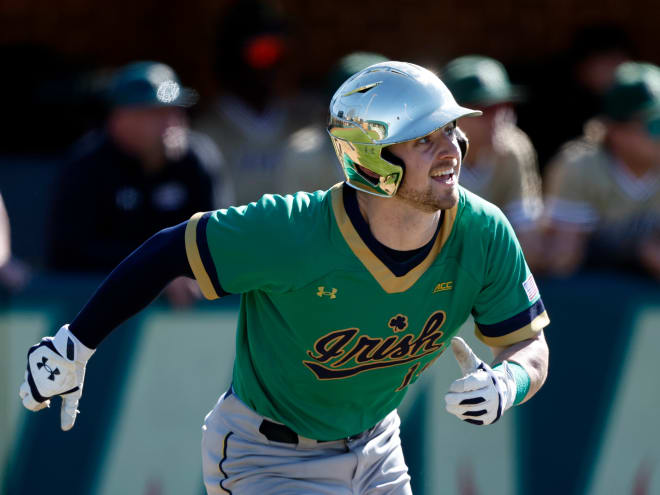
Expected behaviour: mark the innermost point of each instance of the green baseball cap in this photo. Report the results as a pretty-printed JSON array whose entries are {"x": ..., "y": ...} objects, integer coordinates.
[
  {"x": 147, "y": 84},
  {"x": 635, "y": 95},
  {"x": 479, "y": 80}
]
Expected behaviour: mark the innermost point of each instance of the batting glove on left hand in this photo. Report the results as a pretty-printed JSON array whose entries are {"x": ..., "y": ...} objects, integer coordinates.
[
  {"x": 482, "y": 394},
  {"x": 56, "y": 366}
]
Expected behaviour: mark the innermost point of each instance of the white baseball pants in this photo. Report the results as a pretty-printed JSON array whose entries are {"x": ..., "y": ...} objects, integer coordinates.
[{"x": 238, "y": 459}]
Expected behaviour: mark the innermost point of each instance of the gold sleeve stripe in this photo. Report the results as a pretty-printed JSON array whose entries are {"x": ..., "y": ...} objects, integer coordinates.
[
  {"x": 527, "y": 332},
  {"x": 195, "y": 260}
]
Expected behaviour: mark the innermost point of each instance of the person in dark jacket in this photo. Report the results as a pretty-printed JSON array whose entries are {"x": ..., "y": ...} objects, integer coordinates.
[{"x": 142, "y": 171}]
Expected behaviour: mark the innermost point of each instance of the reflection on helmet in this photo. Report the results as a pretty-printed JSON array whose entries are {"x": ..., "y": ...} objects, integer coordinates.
[{"x": 384, "y": 104}]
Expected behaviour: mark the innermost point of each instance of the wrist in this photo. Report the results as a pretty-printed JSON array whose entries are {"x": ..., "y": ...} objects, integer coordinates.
[
  {"x": 516, "y": 379},
  {"x": 70, "y": 347}
]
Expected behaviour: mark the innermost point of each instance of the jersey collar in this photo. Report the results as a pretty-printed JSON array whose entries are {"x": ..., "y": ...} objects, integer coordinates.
[{"x": 390, "y": 282}]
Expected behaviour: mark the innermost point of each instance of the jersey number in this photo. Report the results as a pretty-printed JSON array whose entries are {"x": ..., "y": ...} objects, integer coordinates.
[{"x": 408, "y": 377}]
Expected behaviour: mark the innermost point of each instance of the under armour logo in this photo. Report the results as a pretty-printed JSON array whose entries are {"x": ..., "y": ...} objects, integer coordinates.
[
  {"x": 48, "y": 369},
  {"x": 322, "y": 292},
  {"x": 398, "y": 323}
]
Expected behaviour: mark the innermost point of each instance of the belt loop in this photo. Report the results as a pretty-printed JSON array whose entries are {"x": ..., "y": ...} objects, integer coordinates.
[{"x": 307, "y": 443}]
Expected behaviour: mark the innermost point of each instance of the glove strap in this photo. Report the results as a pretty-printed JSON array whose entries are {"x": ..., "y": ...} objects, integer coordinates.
[{"x": 70, "y": 347}]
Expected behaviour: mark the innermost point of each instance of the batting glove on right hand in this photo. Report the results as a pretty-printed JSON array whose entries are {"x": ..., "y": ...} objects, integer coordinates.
[
  {"x": 56, "y": 366},
  {"x": 482, "y": 394}
]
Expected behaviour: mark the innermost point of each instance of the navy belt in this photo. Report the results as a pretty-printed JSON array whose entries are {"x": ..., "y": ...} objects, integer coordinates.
[{"x": 276, "y": 432}]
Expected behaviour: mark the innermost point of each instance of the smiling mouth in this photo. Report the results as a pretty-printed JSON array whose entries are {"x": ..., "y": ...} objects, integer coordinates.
[{"x": 444, "y": 175}]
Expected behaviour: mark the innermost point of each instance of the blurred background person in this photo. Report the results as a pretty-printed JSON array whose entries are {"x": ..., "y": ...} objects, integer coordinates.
[
  {"x": 14, "y": 274},
  {"x": 141, "y": 172},
  {"x": 574, "y": 80},
  {"x": 501, "y": 164},
  {"x": 603, "y": 190},
  {"x": 260, "y": 119}
]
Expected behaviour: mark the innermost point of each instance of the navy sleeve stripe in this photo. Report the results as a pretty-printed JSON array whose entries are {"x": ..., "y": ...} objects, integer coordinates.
[
  {"x": 514, "y": 323},
  {"x": 205, "y": 254}
]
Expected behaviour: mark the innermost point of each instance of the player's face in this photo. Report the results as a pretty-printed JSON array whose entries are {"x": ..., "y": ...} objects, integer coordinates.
[
  {"x": 430, "y": 181},
  {"x": 148, "y": 127}
]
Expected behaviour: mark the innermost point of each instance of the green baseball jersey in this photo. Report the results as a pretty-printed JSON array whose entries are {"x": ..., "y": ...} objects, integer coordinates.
[{"x": 329, "y": 338}]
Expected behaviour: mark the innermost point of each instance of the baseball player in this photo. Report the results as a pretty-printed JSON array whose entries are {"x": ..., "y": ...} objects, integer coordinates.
[
  {"x": 604, "y": 189},
  {"x": 347, "y": 296}
]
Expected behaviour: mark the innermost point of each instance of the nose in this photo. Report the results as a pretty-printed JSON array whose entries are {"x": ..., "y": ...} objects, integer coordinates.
[{"x": 445, "y": 143}]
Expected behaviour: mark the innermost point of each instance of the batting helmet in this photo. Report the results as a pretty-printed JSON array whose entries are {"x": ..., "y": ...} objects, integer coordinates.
[{"x": 384, "y": 104}]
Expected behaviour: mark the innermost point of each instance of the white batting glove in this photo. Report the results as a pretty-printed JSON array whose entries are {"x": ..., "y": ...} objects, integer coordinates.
[
  {"x": 56, "y": 366},
  {"x": 482, "y": 394}
]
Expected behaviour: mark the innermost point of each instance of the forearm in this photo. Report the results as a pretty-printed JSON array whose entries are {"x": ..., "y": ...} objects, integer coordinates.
[
  {"x": 532, "y": 355},
  {"x": 132, "y": 285}
]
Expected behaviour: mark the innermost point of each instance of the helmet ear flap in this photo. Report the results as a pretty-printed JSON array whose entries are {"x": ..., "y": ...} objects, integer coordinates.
[
  {"x": 463, "y": 142},
  {"x": 391, "y": 157}
]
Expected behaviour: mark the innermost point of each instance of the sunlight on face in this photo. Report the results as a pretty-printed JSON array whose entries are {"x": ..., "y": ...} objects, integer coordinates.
[{"x": 432, "y": 167}]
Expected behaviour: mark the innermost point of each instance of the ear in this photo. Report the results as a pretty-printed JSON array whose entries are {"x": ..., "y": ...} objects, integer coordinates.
[{"x": 463, "y": 142}]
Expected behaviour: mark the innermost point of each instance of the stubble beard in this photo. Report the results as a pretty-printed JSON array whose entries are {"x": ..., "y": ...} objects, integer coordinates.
[{"x": 426, "y": 200}]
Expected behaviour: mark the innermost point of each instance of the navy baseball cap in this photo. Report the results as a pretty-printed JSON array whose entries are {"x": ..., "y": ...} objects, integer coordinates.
[
  {"x": 148, "y": 84},
  {"x": 635, "y": 95}
]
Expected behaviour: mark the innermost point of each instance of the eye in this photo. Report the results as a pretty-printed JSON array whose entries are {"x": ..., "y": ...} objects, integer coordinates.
[
  {"x": 449, "y": 129},
  {"x": 424, "y": 140}
]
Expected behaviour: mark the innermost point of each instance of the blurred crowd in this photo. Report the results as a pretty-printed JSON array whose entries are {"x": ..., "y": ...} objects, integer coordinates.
[{"x": 573, "y": 160}]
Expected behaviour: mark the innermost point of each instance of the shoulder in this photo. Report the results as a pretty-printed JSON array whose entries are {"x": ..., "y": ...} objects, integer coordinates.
[
  {"x": 88, "y": 158},
  {"x": 89, "y": 145},
  {"x": 204, "y": 150},
  {"x": 307, "y": 141},
  {"x": 578, "y": 163},
  {"x": 297, "y": 206},
  {"x": 299, "y": 212},
  {"x": 581, "y": 153},
  {"x": 274, "y": 233},
  {"x": 476, "y": 210},
  {"x": 513, "y": 138},
  {"x": 481, "y": 222}
]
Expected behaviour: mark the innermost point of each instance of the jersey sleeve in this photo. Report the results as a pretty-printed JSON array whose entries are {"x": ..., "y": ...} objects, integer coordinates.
[
  {"x": 508, "y": 308},
  {"x": 252, "y": 247}
]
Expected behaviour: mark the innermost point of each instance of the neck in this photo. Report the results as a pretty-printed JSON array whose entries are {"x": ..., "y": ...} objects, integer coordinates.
[
  {"x": 637, "y": 165},
  {"x": 151, "y": 159},
  {"x": 396, "y": 224}
]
